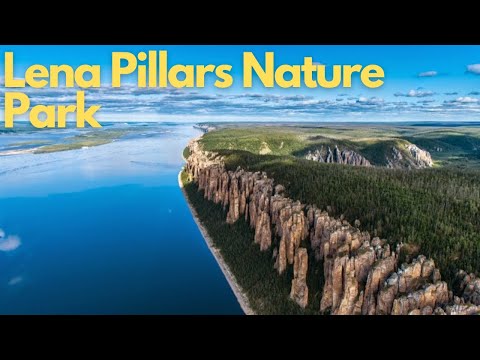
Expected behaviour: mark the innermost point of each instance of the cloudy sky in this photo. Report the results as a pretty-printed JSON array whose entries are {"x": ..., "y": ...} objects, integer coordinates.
[{"x": 421, "y": 83}]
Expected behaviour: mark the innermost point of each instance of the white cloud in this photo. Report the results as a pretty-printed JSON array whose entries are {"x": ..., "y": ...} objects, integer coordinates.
[
  {"x": 10, "y": 243},
  {"x": 15, "y": 280},
  {"x": 416, "y": 93},
  {"x": 2, "y": 233},
  {"x": 474, "y": 69},
  {"x": 428, "y": 74},
  {"x": 129, "y": 102},
  {"x": 370, "y": 101},
  {"x": 466, "y": 100}
]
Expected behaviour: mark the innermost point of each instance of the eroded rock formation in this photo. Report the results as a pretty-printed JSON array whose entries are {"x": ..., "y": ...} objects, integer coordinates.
[
  {"x": 299, "y": 292},
  {"x": 422, "y": 157},
  {"x": 362, "y": 275},
  {"x": 348, "y": 157},
  {"x": 401, "y": 156},
  {"x": 468, "y": 286},
  {"x": 414, "y": 158}
]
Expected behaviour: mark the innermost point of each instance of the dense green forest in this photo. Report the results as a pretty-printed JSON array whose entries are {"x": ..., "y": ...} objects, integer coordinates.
[
  {"x": 435, "y": 211},
  {"x": 453, "y": 147},
  {"x": 268, "y": 293}
]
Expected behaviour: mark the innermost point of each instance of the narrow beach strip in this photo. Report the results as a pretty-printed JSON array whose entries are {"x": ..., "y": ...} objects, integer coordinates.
[{"x": 232, "y": 281}]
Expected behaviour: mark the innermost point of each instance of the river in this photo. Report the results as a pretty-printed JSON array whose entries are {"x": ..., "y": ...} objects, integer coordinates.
[{"x": 104, "y": 230}]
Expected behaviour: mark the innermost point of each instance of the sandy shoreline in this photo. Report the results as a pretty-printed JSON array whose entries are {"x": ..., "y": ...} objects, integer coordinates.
[
  {"x": 17, "y": 152},
  {"x": 237, "y": 290}
]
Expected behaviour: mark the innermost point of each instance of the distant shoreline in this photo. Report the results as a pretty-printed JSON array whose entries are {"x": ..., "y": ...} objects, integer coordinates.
[
  {"x": 17, "y": 152},
  {"x": 232, "y": 281}
]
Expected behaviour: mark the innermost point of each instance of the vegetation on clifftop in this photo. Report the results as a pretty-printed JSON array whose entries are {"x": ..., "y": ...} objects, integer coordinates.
[
  {"x": 453, "y": 147},
  {"x": 435, "y": 211},
  {"x": 268, "y": 293},
  {"x": 186, "y": 153}
]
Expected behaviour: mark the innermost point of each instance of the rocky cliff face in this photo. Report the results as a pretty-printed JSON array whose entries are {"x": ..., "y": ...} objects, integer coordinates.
[
  {"x": 422, "y": 157},
  {"x": 468, "y": 287},
  {"x": 299, "y": 292},
  {"x": 204, "y": 127},
  {"x": 362, "y": 275},
  {"x": 405, "y": 156},
  {"x": 413, "y": 158},
  {"x": 336, "y": 156}
]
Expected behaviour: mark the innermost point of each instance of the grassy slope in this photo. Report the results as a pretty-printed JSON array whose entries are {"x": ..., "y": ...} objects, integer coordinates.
[
  {"x": 436, "y": 210},
  {"x": 459, "y": 147},
  {"x": 282, "y": 142}
]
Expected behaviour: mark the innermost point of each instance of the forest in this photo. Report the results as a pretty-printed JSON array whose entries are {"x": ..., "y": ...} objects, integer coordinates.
[
  {"x": 433, "y": 211},
  {"x": 268, "y": 293}
]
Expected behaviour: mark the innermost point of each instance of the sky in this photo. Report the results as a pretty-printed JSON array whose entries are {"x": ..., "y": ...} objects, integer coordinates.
[{"x": 422, "y": 83}]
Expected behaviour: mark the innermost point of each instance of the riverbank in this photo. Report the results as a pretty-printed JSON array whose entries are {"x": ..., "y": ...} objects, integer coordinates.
[
  {"x": 17, "y": 152},
  {"x": 237, "y": 290}
]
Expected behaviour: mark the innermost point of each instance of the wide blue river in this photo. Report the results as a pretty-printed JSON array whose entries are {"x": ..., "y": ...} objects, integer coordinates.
[{"x": 104, "y": 230}]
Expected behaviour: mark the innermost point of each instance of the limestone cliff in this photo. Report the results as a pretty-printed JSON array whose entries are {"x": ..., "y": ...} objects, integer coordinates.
[
  {"x": 408, "y": 156},
  {"x": 400, "y": 156},
  {"x": 299, "y": 292},
  {"x": 468, "y": 287},
  {"x": 362, "y": 275},
  {"x": 348, "y": 157},
  {"x": 422, "y": 157}
]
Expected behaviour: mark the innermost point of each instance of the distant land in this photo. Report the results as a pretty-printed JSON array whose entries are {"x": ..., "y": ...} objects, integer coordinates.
[
  {"x": 42, "y": 141},
  {"x": 344, "y": 218}
]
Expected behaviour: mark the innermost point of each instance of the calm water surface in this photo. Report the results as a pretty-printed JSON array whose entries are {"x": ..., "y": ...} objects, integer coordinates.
[{"x": 104, "y": 230}]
